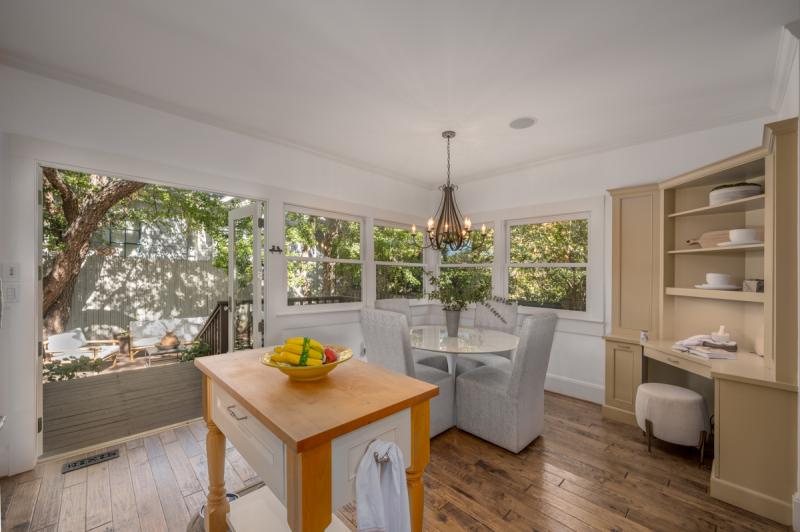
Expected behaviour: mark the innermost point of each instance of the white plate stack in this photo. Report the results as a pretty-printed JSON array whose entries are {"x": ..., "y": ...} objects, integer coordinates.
[{"x": 733, "y": 193}]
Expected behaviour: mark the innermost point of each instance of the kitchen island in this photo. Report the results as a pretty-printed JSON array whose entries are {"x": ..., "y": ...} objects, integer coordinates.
[{"x": 305, "y": 439}]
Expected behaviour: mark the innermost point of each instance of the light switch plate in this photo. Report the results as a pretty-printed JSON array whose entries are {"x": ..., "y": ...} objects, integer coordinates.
[{"x": 9, "y": 271}]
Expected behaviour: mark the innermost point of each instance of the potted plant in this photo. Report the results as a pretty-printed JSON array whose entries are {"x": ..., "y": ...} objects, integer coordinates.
[{"x": 456, "y": 291}]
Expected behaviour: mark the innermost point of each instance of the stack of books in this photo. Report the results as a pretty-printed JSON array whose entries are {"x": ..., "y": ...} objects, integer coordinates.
[{"x": 708, "y": 351}]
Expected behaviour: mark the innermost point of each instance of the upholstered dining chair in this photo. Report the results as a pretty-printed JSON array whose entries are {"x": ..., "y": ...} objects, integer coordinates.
[
  {"x": 506, "y": 407},
  {"x": 506, "y": 321},
  {"x": 388, "y": 345},
  {"x": 421, "y": 357}
]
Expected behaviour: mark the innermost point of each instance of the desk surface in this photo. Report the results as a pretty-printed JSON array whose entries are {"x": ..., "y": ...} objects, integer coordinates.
[
  {"x": 306, "y": 414},
  {"x": 748, "y": 367}
]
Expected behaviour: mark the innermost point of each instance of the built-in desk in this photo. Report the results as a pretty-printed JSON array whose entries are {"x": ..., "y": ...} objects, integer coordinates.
[{"x": 305, "y": 439}]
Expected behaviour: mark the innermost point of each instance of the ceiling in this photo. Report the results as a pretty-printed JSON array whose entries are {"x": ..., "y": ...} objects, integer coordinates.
[{"x": 373, "y": 83}]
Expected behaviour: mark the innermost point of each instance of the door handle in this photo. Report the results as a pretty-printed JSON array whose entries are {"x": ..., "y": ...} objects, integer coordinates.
[{"x": 234, "y": 415}]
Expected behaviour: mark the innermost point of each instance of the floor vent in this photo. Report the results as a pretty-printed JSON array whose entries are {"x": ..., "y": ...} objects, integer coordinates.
[{"x": 89, "y": 460}]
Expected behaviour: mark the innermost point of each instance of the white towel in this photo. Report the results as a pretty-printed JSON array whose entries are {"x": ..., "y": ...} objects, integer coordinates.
[{"x": 381, "y": 493}]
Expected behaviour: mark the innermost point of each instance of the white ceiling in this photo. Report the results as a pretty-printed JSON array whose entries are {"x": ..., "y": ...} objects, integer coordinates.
[{"x": 373, "y": 83}]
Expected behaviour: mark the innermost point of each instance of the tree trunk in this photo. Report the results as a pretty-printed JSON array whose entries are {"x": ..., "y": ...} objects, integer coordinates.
[{"x": 83, "y": 219}]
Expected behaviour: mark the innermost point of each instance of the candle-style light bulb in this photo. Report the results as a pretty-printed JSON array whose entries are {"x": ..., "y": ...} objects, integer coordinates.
[
  {"x": 467, "y": 223},
  {"x": 445, "y": 226},
  {"x": 483, "y": 229},
  {"x": 413, "y": 229},
  {"x": 430, "y": 223}
]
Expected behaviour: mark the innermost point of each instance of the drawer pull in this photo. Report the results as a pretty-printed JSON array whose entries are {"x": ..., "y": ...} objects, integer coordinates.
[
  {"x": 673, "y": 361},
  {"x": 234, "y": 415}
]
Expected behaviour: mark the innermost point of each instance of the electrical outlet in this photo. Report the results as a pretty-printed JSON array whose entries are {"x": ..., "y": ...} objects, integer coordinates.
[{"x": 11, "y": 292}]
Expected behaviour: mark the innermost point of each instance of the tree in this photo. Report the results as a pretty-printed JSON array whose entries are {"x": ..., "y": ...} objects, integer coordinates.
[{"x": 77, "y": 205}]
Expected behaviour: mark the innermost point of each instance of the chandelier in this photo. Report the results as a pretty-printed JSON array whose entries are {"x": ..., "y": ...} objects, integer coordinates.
[{"x": 448, "y": 229}]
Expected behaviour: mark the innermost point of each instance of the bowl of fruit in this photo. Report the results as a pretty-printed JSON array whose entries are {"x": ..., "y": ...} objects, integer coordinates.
[{"x": 305, "y": 359}]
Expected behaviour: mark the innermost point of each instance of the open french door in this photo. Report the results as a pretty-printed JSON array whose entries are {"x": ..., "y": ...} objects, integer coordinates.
[{"x": 246, "y": 277}]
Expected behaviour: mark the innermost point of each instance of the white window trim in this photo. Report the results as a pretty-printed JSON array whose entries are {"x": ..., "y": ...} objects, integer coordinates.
[
  {"x": 285, "y": 308},
  {"x": 594, "y": 267},
  {"x": 376, "y": 263}
]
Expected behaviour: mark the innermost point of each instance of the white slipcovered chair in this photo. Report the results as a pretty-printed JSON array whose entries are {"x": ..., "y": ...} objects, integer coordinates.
[
  {"x": 506, "y": 406},
  {"x": 486, "y": 319},
  {"x": 388, "y": 345},
  {"x": 420, "y": 357}
]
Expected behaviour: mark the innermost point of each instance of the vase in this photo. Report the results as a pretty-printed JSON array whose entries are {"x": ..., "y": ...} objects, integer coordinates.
[{"x": 452, "y": 317}]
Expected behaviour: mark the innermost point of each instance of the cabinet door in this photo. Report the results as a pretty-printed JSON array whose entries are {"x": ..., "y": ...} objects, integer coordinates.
[{"x": 623, "y": 374}]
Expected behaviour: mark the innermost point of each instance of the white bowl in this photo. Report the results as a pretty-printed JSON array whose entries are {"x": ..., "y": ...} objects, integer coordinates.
[
  {"x": 748, "y": 234},
  {"x": 719, "y": 279}
]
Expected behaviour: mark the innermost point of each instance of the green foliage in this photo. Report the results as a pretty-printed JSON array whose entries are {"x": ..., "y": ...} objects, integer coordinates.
[
  {"x": 457, "y": 288},
  {"x": 479, "y": 251},
  {"x": 70, "y": 368},
  {"x": 396, "y": 245},
  {"x": 200, "y": 349},
  {"x": 550, "y": 242},
  {"x": 322, "y": 237},
  {"x": 152, "y": 206}
]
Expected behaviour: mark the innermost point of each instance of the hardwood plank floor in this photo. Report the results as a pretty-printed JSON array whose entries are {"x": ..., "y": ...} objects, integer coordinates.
[{"x": 584, "y": 473}]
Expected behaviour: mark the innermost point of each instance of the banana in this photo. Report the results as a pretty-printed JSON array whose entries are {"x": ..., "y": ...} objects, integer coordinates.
[
  {"x": 294, "y": 360},
  {"x": 298, "y": 350},
  {"x": 313, "y": 344}
]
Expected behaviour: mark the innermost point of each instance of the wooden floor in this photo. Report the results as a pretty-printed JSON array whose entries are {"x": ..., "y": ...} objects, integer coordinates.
[{"x": 584, "y": 473}]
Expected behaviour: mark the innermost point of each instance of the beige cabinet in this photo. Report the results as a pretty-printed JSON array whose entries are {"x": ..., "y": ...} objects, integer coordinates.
[{"x": 623, "y": 376}]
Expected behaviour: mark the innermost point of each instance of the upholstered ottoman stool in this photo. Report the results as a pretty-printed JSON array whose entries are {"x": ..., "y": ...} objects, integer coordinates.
[{"x": 672, "y": 414}]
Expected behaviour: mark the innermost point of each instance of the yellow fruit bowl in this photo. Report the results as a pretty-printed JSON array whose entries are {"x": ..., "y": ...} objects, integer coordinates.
[{"x": 308, "y": 373}]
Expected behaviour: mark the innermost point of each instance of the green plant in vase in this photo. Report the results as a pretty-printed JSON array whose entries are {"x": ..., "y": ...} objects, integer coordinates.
[{"x": 456, "y": 289}]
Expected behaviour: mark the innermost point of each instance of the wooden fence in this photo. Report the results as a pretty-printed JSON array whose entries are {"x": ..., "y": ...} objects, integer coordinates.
[{"x": 111, "y": 292}]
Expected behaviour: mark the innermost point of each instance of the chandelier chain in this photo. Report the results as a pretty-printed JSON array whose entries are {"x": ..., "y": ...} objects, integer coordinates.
[{"x": 448, "y": 161}]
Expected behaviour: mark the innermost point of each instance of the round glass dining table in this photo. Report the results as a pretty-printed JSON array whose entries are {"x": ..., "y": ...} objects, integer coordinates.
[{"x": 469, "y": 340}]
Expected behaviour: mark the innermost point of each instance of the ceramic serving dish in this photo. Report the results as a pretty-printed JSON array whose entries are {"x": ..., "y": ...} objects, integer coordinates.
[{"x": 308, "y": 373}]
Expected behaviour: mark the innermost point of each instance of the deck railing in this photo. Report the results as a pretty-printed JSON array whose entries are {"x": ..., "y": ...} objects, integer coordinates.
[{"x": 215, "y": 330}]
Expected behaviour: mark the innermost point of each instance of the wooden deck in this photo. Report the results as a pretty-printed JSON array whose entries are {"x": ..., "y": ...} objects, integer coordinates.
[{"x": 584, "y": 473}]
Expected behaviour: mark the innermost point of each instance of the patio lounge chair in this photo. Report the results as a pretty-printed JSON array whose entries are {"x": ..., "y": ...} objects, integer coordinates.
[
  {"x": 73, "y": 343},
  {"x": 145, "y": 335}
]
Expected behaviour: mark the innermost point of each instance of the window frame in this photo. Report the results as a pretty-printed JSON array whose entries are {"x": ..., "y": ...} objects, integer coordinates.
[
  {"x": 485, "y": 265},
  {"x": 375, "y": 263},
  {"x": 563, "y": 217},
  {"x": 353, "y": 305}
]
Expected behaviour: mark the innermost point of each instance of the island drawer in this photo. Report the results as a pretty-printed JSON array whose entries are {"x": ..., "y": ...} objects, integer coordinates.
[
  {"x": 258, "y": 446},
  {"x": 348, "y": 449}
]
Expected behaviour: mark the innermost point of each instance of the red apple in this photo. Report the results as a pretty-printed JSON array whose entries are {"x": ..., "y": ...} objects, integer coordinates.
[{"x": 330, "y": 355}]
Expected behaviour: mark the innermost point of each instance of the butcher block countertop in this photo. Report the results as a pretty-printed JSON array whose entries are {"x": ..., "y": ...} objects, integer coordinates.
[{"x": 305, "y": 414}]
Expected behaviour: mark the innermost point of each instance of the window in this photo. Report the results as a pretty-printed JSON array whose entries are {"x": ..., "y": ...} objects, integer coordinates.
[
  {"x": 123, "y": 239},
  {"x": 473, "y": 263},
  {"x": 398, "y": 262},
  {"x": 548, "y": 262},
  {"x": 323, "y": 258}
]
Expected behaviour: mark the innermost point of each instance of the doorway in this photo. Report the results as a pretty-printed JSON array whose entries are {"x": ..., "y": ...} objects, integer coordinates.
[{"x": 137, "y": 280}]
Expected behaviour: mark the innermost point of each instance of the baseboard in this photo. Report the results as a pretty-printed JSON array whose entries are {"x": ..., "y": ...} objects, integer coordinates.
[
  {"x": 796, "y": 512},
  {"x": 617, "y": 414},
  {"x": 574, "y": 388},
  {"x": 756, "y": 502}
]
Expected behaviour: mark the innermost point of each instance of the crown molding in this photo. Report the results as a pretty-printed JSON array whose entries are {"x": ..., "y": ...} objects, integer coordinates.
[{"x": 787, "y": 50}]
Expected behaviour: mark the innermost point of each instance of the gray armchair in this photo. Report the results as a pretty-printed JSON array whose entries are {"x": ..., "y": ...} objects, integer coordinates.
[
  {"x": 402, "y": 306},
  {"x": 486, "y": 319},
  {"x": 388, "y": 345},
  {"x": 506, "y": 407}
]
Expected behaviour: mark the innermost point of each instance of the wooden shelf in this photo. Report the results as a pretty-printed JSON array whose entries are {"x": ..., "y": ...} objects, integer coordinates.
[
  {"x": 723, "y": 249},
  {"x": 741, "y": 205},
  {"x": 725, "y": 295}
]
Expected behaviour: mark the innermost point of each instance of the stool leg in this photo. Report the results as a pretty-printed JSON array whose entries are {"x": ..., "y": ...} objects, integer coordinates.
[
  {"x": 702, "y": 446},
  {"x": 648, "y": 425}
]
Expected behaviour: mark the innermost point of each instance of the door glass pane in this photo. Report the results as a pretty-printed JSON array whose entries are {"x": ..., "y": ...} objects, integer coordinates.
[{"x": 242, "y": 311}]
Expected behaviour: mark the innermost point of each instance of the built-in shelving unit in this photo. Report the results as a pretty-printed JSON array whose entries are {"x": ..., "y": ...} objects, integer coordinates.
[
  {"x": 741, "y": 205},
  {"x": 721, "y": 295},
  {"x": 719, "y": 249}
]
